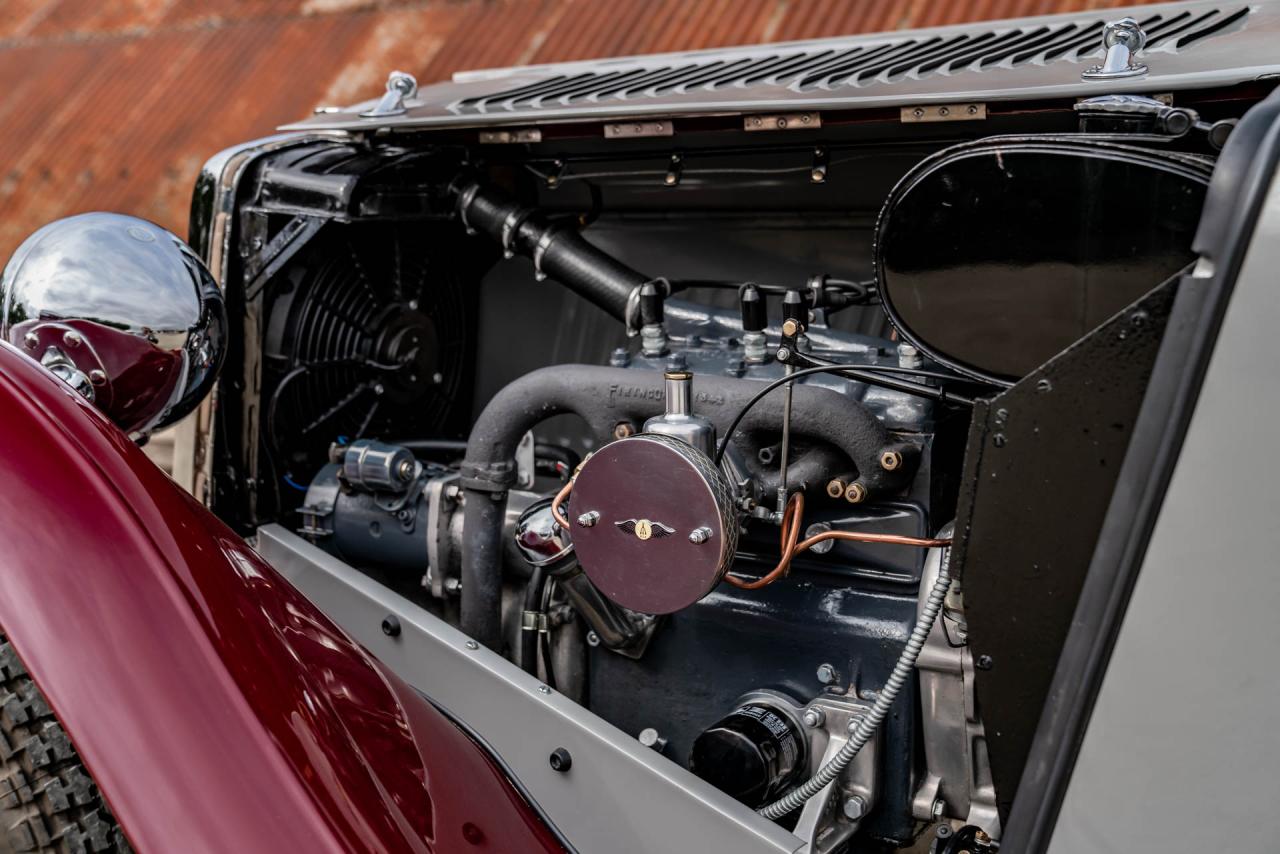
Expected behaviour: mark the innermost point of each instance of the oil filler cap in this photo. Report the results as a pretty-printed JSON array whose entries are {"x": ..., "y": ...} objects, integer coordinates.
[{"x": 653, "y": 523}]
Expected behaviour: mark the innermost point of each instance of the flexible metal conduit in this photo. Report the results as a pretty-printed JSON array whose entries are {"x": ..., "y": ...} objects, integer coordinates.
[{"x": 871, "y": 721}]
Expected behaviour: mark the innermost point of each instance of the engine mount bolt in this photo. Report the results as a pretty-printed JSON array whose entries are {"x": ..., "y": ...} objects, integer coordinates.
[
  {"x": 32, "y": 340},
  {"x": 700, "y": 535},
  {"x": 890, "y": 460},
  {"x": 856, "y": 493},
  {"x": 814, "y": 717},
  {"x": 72, "y": 338},
  {"x": 854, "y": 807},
  {"x": 589, "y": 518},
  {"x": 835, "y": 487},
  {"x": 827, "y": 674}
]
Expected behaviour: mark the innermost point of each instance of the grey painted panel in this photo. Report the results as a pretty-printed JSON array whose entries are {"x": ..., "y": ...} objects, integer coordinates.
[
  {"x": 1182, "y": 749},
  {"x": 618, "y": 797}
]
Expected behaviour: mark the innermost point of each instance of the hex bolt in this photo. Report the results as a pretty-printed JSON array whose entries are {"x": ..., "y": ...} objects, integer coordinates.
[
  {"x": 813, "y": 717},
  {"x": 827, "y": 674},
  {"x": 391, "y": 626},
  {"x": 836, "y": 487},
  {"x": 790, "y": 327},
  {"x": 891, "y": 461},
  {"x": 623, "y": 429},
  {"x": 854, "y": 807},
  {"x": 72, "y": 338},
  {"x": 589, "y": 518},
  {"x": 783, "y": 354},
  {"x": 856, "y": 493},
  {"x": 561, "y": 760},
  {"x": 700, "y": 535}
]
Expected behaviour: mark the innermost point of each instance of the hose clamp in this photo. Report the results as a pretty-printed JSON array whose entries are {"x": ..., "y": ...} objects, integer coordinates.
[
  {"x": 540, "y": 250},
  {"x": 464, "y": 204},
  {"x": 510, "y": 228},
  {"x": 631, "y": 313}
]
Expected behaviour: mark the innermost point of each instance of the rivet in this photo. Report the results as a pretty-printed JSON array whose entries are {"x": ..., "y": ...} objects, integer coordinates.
[
  {"x": 72, "y": 338},
  {"x": 472, "y": 645}
]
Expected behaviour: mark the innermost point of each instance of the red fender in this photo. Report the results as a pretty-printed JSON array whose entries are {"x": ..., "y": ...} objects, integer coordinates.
[{"x": 217, "y": 709}]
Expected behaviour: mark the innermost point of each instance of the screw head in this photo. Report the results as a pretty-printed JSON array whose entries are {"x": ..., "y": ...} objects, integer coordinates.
[
  {"x": 818, "y": 176},
  {"x": 561, "y": 760},
  {"x": 544, "y": 689},
  {"x": 813, "y": 717},
  {"x": 593, "y": 639},
  {"x": 827, "y": 674},
  {"x": 391, "y": 626},
  {"x": 98, "y": 377},
  {"x": 472, "y": 645},
  {"x": 984, "y": 662},
  {"x": 72, "y": 338},
  {"x": 854, "y": 807},
  {"x": 32, "y": 340}
]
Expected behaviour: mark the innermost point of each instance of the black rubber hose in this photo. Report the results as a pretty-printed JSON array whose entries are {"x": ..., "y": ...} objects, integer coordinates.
[
  {"x": 529, "y": 637},
  {"x": 603, "y": 397},
  {"x": 559, "y": 251}
]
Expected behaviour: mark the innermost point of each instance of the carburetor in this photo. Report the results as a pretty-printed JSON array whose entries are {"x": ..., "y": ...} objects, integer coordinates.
[{"x": 654, "y": 522}]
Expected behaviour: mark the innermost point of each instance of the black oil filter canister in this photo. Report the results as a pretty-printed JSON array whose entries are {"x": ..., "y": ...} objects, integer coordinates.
[{"x": 754, "y": 753}]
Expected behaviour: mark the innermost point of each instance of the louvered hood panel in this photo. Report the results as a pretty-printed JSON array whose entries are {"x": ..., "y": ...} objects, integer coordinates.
[{"x": 1189, "y": 45}]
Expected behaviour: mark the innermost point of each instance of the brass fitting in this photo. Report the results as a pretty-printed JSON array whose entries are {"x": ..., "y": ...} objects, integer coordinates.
[
  {"x": 836, "y": 487},
  {"x": 791, "y": 328},
  {"x": 891, "y": 460},
  {"x": 856, "y": 493}
]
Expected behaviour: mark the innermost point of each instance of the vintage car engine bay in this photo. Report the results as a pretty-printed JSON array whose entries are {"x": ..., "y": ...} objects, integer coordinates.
[{"x": 703, "y": 429}]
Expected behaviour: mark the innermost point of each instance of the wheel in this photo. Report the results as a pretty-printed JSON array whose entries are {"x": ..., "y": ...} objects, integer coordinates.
[{"x": 48, "y": 802}]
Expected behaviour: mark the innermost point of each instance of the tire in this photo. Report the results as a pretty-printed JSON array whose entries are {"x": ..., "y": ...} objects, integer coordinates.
[{"x": 48, "y": 801}]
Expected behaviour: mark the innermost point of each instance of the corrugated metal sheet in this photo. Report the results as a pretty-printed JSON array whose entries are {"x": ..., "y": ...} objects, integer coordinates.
[{"x": 116, "y": 103}]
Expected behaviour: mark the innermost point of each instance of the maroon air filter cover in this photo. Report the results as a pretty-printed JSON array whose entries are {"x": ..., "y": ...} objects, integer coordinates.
[{"x": 653, "y": 523}]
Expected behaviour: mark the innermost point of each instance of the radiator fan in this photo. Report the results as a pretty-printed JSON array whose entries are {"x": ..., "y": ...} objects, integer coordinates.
[{"x": 366, "y": 337}]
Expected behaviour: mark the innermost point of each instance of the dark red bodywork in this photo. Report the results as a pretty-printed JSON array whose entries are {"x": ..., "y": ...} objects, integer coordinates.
[{"x": 215, "y": 706}]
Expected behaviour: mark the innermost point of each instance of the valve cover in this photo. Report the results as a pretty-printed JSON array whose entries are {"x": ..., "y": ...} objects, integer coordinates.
[{"x": 653, "y": 523}]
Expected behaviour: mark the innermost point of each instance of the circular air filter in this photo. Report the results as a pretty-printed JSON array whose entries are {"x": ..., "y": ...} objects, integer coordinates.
[{"x": 653, "y": 523}]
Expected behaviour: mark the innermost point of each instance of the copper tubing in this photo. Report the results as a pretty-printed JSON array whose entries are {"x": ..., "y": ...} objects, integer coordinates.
[
  {"x": 790, "y": 548},
  {"x": 555, "y": 504},
  {"x": 790, "y": 533},
  {"x": 894, "y": 539}
]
